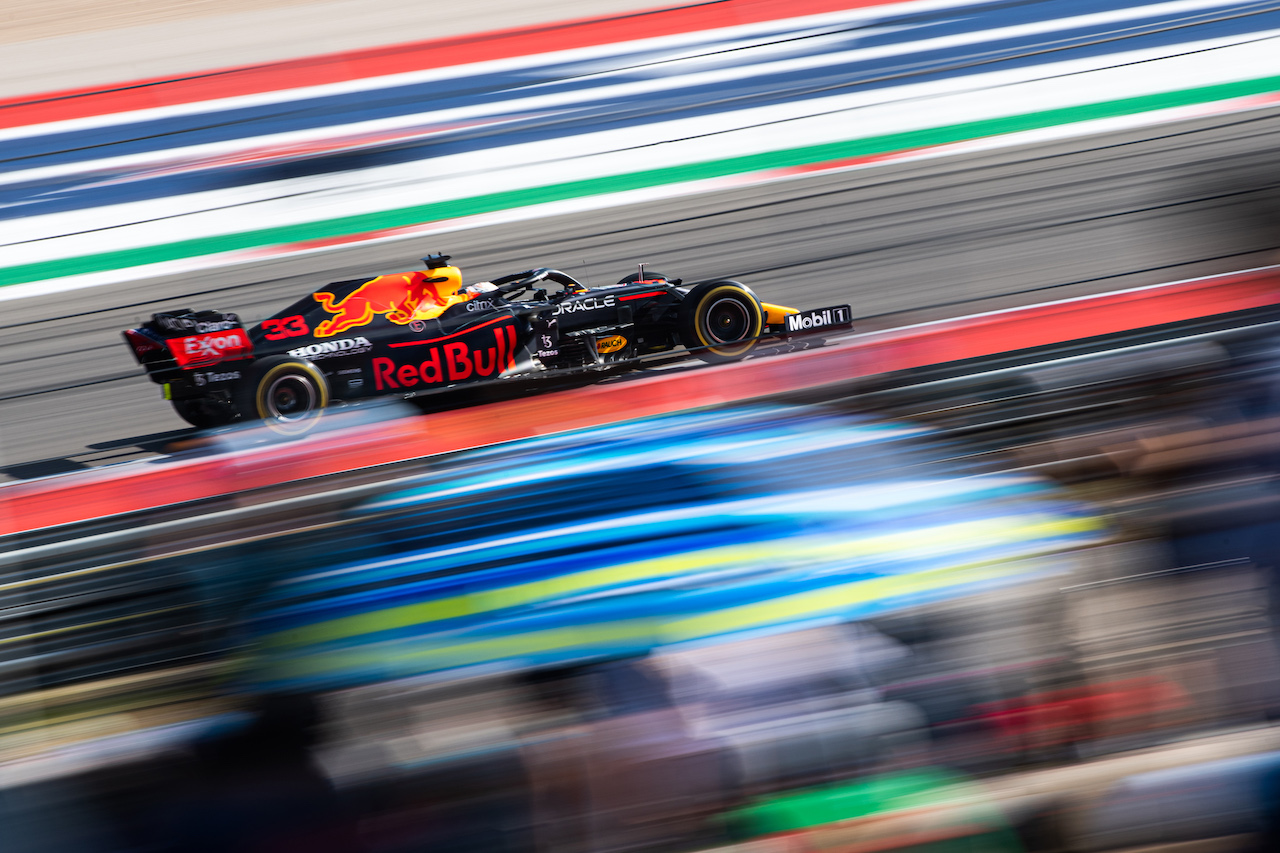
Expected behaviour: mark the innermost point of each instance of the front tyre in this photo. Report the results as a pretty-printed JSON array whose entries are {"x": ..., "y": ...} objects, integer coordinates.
[
  {"x": 286, "y": 394},
  {"x": 720, "y": 321}
]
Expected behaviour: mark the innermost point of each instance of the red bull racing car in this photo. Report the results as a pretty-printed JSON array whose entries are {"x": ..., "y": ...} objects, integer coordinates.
[{"x": 417, "y": 332}]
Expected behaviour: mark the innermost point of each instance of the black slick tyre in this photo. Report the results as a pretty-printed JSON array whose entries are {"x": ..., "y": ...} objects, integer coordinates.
[
  {"x": 287, "y": 394},
  {"x": 720, "y": 321},
  {"x": 204, "y": 414}
]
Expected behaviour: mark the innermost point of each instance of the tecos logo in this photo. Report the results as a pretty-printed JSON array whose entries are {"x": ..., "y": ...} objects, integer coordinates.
[{"x": 206, "y": 378}]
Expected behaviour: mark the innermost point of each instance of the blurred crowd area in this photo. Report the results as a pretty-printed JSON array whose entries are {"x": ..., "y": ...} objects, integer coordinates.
[{"x": 1018, "y": 678}]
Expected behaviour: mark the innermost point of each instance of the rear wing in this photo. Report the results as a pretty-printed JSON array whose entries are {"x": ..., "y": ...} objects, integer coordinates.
[{"x": 185, "y": 340}]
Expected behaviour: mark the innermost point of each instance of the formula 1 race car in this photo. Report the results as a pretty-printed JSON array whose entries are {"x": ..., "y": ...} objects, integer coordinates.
[{"x": 417, "y": 332}]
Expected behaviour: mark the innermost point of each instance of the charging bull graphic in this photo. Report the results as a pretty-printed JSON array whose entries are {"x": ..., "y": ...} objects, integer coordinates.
[{"x": 398, "y": 297}]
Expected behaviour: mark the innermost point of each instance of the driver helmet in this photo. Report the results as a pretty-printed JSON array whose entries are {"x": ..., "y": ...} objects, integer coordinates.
[{"x": 480, "y": 287}]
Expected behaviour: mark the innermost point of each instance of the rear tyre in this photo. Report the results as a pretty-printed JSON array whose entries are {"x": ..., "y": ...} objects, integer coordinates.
[
  {"x": 720, "y": 321},
  {"x": 204, "y": 414},
  {"x": 287, "y": 394}
]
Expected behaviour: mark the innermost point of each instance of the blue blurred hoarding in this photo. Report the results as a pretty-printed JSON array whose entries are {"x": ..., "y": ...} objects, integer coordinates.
[{"x": 685, "y": 529}]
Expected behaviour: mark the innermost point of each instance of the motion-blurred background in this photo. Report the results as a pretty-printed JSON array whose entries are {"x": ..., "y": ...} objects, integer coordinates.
[{"x": 986, "y": 583}]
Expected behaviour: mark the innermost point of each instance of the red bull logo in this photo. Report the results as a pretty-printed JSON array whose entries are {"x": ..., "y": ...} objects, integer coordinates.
[
  {"x": 451, "y": 361},
  {"x": 397, "y": 297}
]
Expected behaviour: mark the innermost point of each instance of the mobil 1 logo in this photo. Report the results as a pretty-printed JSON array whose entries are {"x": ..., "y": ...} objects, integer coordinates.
[{"x": 834, "y": 317}]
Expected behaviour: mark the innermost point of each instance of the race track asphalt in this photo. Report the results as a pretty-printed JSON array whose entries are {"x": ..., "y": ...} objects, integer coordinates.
[{"x": 902, "y": 243}]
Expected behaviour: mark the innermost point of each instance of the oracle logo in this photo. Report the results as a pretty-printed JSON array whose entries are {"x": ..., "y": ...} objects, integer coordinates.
[{"x": 589, "y": 303}]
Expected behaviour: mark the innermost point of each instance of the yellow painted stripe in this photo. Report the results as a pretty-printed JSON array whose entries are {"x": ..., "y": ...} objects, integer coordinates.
[
  {"x": 487, "y": 601},
  {"x": 442, "y": 653},
  {"x": 833, "y": 598},
  {"x": 792, "y": 553}
]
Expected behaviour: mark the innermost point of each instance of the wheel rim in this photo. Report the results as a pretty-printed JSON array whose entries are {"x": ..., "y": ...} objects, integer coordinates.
[
  {"x": 727, "y": 321},
  {"x": 291, "y": 398}
]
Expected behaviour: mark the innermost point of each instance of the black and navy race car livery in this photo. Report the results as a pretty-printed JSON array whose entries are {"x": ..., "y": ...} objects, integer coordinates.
[{"x": 417, "y": 332}]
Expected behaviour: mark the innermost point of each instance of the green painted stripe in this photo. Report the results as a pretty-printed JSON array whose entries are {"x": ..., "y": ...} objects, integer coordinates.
[{"x": 493, "y": 202}]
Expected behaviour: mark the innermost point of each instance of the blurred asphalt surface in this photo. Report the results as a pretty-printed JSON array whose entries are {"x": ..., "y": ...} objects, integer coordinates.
[{"x": 901, "y": 243}]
